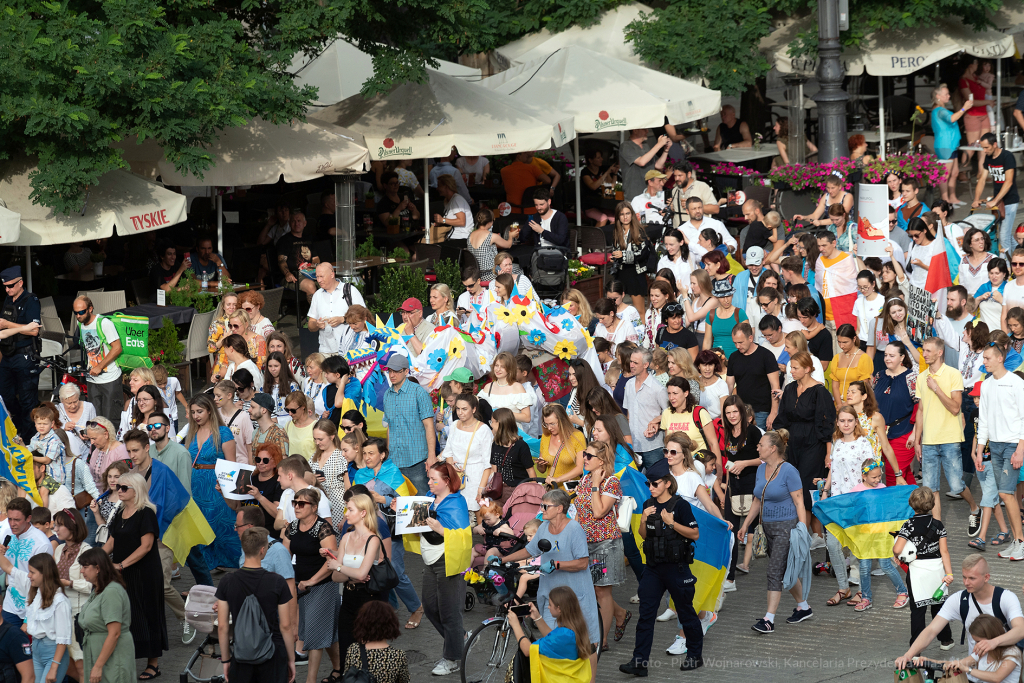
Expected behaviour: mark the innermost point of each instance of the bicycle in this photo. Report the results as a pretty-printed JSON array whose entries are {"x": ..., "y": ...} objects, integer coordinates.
[{"x": 490, "y": 648}]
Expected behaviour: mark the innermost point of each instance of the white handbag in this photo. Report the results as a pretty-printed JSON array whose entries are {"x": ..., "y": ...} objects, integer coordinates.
[{"x": 625, "y": 514}]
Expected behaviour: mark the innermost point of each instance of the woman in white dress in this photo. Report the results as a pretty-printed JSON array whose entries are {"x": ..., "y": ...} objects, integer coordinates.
[
  {"x": 503, "y": 391},
  {"x": 920, "y": 257},
  {"x": 713, "y": 388},
  {"x": 469, "y": 449},
  {"x": 973, "y": 271},
  {"x": 699, "y": 303},
  {"x": 612, "y": 327},
  {"x": 616, "y": 291},
  {"x": 989, "y": 295},
  {"x": 74, "y": 413},
  {"x": 677, "y": 259}
]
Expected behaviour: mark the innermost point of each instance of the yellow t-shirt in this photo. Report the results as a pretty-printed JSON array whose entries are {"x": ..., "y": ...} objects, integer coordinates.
[
  {"x": 828, "y": 262},
  {"x": 567, "y": 459},
  {"x": 844, "y": 376},
  {"x": 938, "y": 424},
  {"x": 683, "y": 422}
]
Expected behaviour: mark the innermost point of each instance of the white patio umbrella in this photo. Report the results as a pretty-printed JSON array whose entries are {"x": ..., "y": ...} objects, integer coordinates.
[
  {"x": 891, "y": 53},
  {"x": 602, "y": 93},
  {"x": 10, "y": 225},
  {"x": 342, "y": 68},
  {"x": 606, "y": 37},
  {"x": 260, "y": 153},
  {"x": 418, "y": 121}
]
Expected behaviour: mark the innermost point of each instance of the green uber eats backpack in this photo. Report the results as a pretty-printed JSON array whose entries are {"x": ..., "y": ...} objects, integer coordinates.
[{"x": 133, "y": 333}]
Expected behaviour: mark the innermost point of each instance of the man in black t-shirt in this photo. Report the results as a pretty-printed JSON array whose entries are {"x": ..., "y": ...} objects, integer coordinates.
[
  {"x": 164, "y": 274},
  {"x": 674, "y": 334},
  {"x": 296, "y": 252},
  {"x": 274, "y": 597},
  {"x": 1000, "y": 165},
  {"x": 754, "y": 376},
  {"x": 758, "y": 234}
]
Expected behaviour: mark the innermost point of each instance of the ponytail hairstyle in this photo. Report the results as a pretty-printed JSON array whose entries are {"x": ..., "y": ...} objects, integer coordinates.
[{"x": 684, "y": 442}]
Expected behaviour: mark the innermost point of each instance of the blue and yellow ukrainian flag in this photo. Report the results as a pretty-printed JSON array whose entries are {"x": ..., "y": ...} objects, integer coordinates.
[
  {"x": 182, "y": 523},
  {"x": 453, "y": 514},
  {"x": 16, "y": 465},
  {"x": 710, "y": 558},
  {"x": 389, "y": 474},
  {"x": 862, "y": 521},
  {"x": 555, "y": 659}
]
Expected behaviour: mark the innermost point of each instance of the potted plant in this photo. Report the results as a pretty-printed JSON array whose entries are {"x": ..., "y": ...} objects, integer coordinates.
[
  {"x": 165, "y": 347},
  {"x": 618, "y": 192}
]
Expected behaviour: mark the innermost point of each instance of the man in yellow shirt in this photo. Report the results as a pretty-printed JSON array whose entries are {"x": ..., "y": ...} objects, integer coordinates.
[{"x": 938, "y": 432}]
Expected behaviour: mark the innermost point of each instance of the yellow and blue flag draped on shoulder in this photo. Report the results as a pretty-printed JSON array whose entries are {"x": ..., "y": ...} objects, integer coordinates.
[
  {"x": 710, "y": 557},
  {"x": 453, "y": 514},
  {"x": 862, "y": 521},
  {"x": 182, "y": 524},
  {"x": 555, "y": 659},
  {"x": 16, "y": 465},
  {"x": 389, "y": 475}
]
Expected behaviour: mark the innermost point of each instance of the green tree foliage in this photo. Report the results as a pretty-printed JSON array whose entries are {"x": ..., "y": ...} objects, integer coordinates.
[
  {"x": 78, "y": 75},
  {"x": 502, "y": 21}
]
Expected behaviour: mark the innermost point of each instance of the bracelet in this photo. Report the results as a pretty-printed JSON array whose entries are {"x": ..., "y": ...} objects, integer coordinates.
[
  {"x": 898, "y": 473},
  {"x": 522, "y": 638}
]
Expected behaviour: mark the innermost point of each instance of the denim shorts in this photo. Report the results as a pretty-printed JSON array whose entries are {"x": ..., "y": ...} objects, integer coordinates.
[
  {"x": 944, "y": 456},
  {"x": 1006, "y": 474},
  {"x": 989, "y": 485}
]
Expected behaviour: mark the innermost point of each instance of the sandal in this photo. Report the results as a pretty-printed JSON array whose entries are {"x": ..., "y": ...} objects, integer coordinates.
[
  {"x": 146, "y": 676},
  {"x": 334, "y": 677},
  {"x": 621, "y": 630},
  {"x": 857, "y": 598},
  {"x": 743, "y": 568},
  {"x": 901, "y": 601},
  {"x": 1002, "y": 538},
  {"x": 862, "y": 606},
  {"x": 414, "y": 624},
  {"x": 838, "y": 598},
  {"x": 977, "y": 543}
]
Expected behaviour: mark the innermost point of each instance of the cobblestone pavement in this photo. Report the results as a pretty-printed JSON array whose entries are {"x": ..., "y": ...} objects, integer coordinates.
[{"x": 838, "y": 644}]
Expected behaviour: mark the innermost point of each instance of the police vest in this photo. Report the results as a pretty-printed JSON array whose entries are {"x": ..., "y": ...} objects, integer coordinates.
[
  {"x": 11, "y": 312},
  {"x": 664, "y": 545}
]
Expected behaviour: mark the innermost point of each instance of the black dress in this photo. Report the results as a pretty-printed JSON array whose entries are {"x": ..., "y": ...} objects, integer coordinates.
[
  {"x": 811, "y": 421},
  {"x": 144, "y": 580}
]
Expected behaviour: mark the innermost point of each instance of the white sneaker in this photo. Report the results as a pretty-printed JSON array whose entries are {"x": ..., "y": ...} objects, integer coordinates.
[
  {"x": 1014, "y": 552},
  {"x": 445, "y": 667},
  {"x": 188, "y": 634},
  {"x": 817, "y": 542},
  {"x": 953, "y": 496},
  {"x": 729, "y": 586},
  {"x": 855, "y": 576},
  {"x": 678, "y": 647},
  {"x": 709, "y": 621},
  {"x": 667, "y": 615},
  {"x": 635, "y": 600},
  {"x": 176, "y": 574},
  {"x": 877, "y": 572}
]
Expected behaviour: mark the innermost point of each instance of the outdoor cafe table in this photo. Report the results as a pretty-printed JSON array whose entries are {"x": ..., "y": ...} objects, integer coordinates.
[
  {"x": 180, "y": 315},
  {"x": 873, "y": 137},
  {"x": 740, "y": 155}
]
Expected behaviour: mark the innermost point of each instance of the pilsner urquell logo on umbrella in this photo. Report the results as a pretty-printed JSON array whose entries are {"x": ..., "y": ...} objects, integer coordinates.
[
  {"x": 604, "y": 120},
  {"x": 389, "y": 149}
]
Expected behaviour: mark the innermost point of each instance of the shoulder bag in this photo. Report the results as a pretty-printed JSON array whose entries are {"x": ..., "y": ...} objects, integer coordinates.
[
  {"x": 465, "y": 461},
  {"x": 495, "y": 484},
  {"x": 760, "y": 540},
  {"x": 84, "y": 498},
  {"x": 383, "y": 576}
]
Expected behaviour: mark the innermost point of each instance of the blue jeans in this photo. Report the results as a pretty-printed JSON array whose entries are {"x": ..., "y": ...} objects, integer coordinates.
[
  {"x": 989, "y": 485},
  {"x": 196, "y": 563},
  {"x": 945, "y": 457},
  {"x": 890, "y": 570},
  {"x": 648, "y": 458},
  {"x": 1006, "y": 241},
  {"x": 1002, "y": 467},
  {"x": 43, "y": 650},
  {"x": 417, "y": 474},
  {"x": 761, "y": 420},
  {"x": 405, "y": 590},
  {"x": 90, "y": 526},
  {"x": 11, "y": 618}
]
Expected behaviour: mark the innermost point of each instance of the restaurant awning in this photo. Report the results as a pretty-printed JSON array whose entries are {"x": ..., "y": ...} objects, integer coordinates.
[
  {"x": 10, "y": 225},
  {"x": 417, "y": 121},
  {"x": 260, "y": 153},
  {"x": 890, "y": 53},
  {"x": 602, "y": 93},
  {"x": 342, "y": 68},
  {"x": 119, "y": 201},
  {"x": 606, "y": 37},
  {"x": 1010, "y": 20}
]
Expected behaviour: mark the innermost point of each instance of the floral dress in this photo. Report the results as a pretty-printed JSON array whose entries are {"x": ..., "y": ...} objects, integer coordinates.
[
  {"x": 218, "y": 331},
  {"x": 258, "y": 350},
  {"x": 847, "y": 457},
  {"x": 872, "y": 435}
]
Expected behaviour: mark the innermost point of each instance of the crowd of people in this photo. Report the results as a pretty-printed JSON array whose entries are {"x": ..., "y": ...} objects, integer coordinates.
[{"x": 743, "y": 376}]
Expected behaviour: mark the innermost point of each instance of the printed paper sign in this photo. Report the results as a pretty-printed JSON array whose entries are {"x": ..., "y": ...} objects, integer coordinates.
[
  {"x": 411, "y": 514},
  {"x": 234, "y": 478},
  {"x": 872, "y": 220}
]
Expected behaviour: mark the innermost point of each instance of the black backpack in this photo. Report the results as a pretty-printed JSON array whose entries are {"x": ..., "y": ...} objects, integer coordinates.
[
  {"x": 8, "y": 671},
  {"x": 965, "y": 607},
  {"x": 362, "y": 674}
]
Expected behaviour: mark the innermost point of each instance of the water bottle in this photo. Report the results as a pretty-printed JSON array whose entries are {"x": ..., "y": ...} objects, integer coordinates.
[
  {"x": 499, "y": 583},
  {"x": 205, "y": 280},
  {"x": 220, "y": 274},
  {"x": 940, "y": 593}
]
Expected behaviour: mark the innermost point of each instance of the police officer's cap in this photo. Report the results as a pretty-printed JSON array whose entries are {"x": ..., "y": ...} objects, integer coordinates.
[
  {"x": 11, "y": 274},
  {"x": 658, "y": 470}
]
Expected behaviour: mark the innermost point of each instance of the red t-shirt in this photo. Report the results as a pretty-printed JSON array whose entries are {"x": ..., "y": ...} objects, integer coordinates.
[{"x": 978, "y": 90}]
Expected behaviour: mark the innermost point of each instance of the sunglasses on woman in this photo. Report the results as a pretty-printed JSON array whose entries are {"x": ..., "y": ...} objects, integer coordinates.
[
  {"x": 301, "y": 503},
  {"x": 96, "y": 425},
  {"x": 670, "y": 451},
  {"x": 263, "y": 461},
  {"x": 122, "y": 488}
]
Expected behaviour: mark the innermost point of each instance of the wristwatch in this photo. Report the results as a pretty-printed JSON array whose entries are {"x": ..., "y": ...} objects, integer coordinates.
[
  {"x": 593, "y": 488},
  {"x": 898, "y": 473}
]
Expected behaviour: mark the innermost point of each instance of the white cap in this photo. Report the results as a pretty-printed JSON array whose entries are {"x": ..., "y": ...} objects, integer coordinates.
[{"x": 754, "y": 256}]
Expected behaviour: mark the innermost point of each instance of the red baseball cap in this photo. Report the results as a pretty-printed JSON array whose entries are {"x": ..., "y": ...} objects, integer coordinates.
[{"x": 411, "y": 304}]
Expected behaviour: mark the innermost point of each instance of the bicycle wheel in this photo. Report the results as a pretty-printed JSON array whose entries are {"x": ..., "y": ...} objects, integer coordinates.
[
  {"x": 488, "y": 653},
  {"x": 600, "y": 622}
]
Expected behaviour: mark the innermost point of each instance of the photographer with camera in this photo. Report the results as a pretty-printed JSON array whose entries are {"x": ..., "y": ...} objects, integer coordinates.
[{"x": 669, "y": 530}]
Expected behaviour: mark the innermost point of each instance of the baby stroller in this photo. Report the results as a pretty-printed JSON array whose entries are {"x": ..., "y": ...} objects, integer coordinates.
[
  {"x": 522, "y": 506},
  {"x": 988, "y": 223},
  {"x": 549, "y": 272},
  {"x": 201, "y": 613}
]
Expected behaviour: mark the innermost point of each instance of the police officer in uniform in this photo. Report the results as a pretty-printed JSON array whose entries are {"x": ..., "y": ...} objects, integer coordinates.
[
  {"x": 669, "y": 531},
  {"x": 19, "y": 368}
]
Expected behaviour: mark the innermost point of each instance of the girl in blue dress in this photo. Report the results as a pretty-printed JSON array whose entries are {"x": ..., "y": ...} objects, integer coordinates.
[{"x": 207, "y": 441}]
